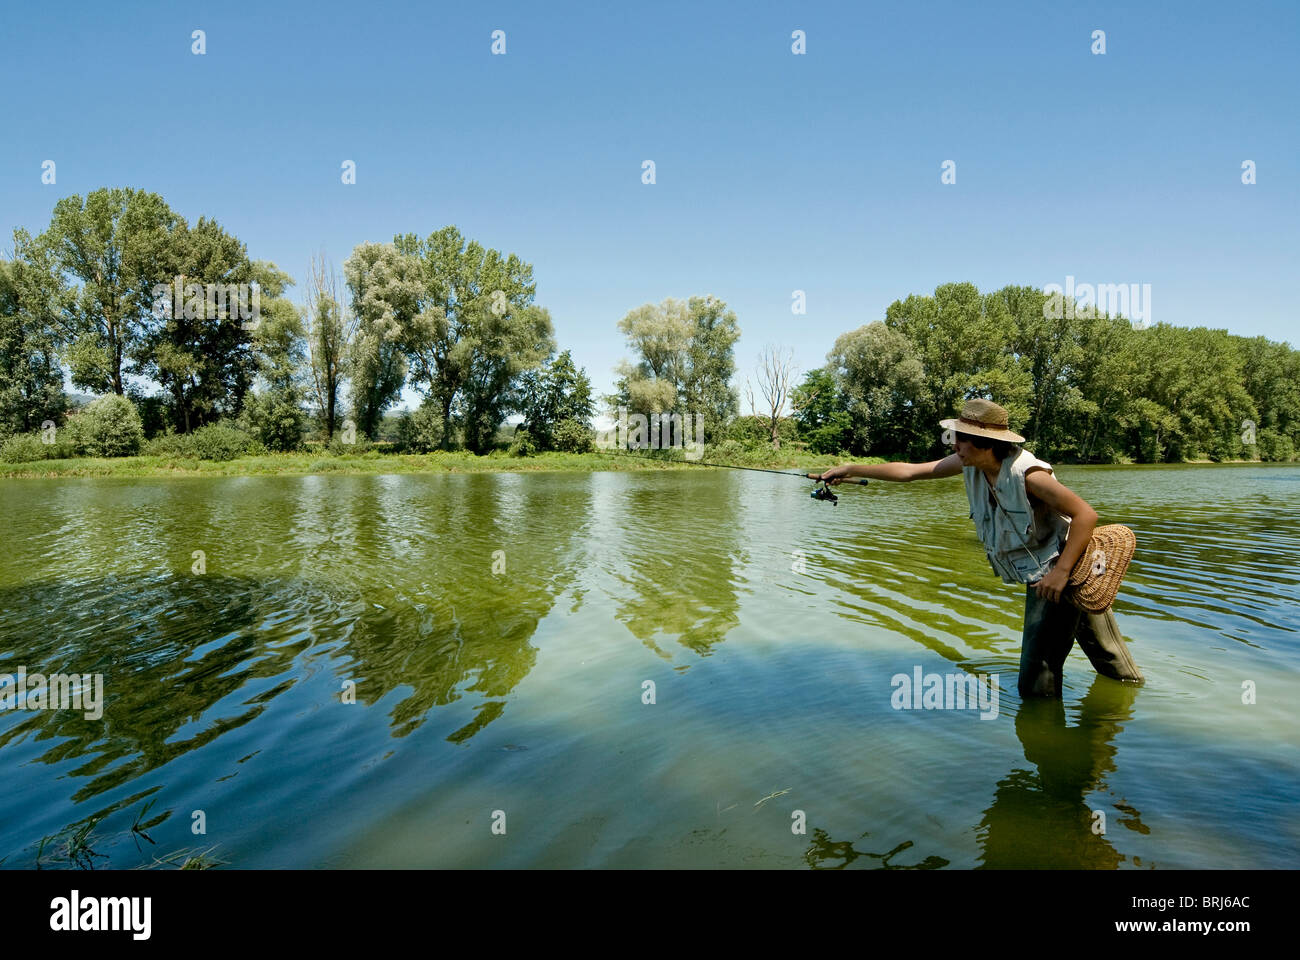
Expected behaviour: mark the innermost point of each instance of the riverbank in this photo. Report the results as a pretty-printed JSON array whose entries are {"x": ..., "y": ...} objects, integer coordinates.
[{"x": 376, "y": 462}]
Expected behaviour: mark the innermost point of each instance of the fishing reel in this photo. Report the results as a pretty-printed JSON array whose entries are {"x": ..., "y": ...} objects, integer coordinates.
[{"x": 824, "y": 493}]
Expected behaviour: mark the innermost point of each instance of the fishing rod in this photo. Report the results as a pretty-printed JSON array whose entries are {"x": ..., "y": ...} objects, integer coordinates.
[{"x": 822, "y": 492}]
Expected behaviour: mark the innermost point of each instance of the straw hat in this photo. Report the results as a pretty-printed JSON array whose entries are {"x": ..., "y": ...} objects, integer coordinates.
[{"x": 983, "y": 418}]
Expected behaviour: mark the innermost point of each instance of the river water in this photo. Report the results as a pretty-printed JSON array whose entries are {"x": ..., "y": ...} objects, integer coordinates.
[{"x": 659, "y": 669}]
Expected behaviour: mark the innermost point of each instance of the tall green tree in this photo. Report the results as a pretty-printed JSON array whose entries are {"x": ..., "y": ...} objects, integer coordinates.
[
  {"x": 1192, "y": 395},
  {"x": 471, "y": 307},
  {"x": 880, "y": 372},
  {"x": 710, "y": 363},
  {"x": 1102, "y": 386},
  {"x": 685, "y": 359},
  {"x": 552, "y": 394},
  {"x": 659, "y": 335},
  {"x": 385, "y": 285},
  {"x": 201, "y": 348},
  {"x": 274, "y": 411},
  {"x": 502, "y": 347},
  {"x": 32, "y": 302},
  {"x": 113, "y": 246},
  {"x": 964, "y": 341},
  {"x": 821, "y": 412},
  {"x": 1271, "y": 376},
  {"x": 877, "y": 367},
  {"x": 1047, "y": 351},
  {"x": 279, "y": 336},
  {"x": 331, "y": 331}
]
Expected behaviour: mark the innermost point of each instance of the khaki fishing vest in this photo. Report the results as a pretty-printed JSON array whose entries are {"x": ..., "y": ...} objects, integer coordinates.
[{"x": 1021, "y": 542}]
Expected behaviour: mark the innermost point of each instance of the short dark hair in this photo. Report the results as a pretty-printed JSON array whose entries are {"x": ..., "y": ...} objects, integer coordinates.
[{"x": 1001, "y": 448}]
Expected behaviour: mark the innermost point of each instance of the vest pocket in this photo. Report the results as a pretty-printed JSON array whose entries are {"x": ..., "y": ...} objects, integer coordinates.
[{"x": 1027, "y": 566}]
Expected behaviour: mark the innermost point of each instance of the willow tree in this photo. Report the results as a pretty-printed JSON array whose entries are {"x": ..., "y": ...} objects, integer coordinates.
[
  {"x": 385, "y": 285},
  {"x": 659, "y": 335},
  {"x": 470, "y": 313},
  {"x": 709, "y": 365},
  {"x": 502, "y": 347},
  {"x": 685, "y": 359}
]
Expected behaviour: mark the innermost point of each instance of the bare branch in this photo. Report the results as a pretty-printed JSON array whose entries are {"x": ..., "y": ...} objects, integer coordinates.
[{"x": 775, "y": 375}]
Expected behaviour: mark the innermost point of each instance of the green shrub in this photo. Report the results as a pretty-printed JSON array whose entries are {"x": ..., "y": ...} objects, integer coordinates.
[
  {"x": 275, "y": 420},
  {"x": 221, "y": 441},
  {"x": 746, "y": 431},
  {"x": 170, "y": 445},
  {"x": 728, "y": 450},
  {"x": 339, "y": 448},
  {"x": 28, "y": 447},
  {"x": 832, "y": 437},
  {"x": 155, "y": 416},
  {"x": 1273, "y": 445},
  {"x": 422, "y": 430},
  {"x": 108, "y": 426},
  {"x": 572, "y": 436},
  {"x": 757, "y": 431},
  {"x": 523, "y": 445}
]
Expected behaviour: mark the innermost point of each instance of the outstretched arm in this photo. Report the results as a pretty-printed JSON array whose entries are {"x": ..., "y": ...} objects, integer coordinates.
[{"x": 949, "y": 466}]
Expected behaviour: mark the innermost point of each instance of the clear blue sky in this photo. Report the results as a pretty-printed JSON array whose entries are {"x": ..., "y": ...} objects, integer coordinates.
[{"x": 775, "y": 172}]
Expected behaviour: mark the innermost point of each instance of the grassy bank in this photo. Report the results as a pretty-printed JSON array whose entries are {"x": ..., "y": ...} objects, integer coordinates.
[{"x": 376, "y": 462}]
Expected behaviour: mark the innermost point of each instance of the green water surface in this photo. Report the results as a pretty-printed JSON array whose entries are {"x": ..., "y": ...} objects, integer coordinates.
[{"x": 499, "y": 634}]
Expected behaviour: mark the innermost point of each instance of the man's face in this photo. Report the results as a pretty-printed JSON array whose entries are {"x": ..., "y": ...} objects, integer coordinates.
[{"x": 968, "y": 452}]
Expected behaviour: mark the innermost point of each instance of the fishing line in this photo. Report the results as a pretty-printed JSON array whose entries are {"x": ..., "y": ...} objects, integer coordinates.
[{"x": 822, "y": 492}]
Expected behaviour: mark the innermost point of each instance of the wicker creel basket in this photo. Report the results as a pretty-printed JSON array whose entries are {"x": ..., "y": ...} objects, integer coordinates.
[{"x": 1097, "y": 574}]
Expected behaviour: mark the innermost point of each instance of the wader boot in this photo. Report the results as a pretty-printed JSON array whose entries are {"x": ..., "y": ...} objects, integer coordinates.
[{"x": 1050, "y": 632}]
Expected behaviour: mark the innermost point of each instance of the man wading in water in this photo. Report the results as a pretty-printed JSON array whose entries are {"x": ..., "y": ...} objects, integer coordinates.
[{"x": 1039, "y": 547}]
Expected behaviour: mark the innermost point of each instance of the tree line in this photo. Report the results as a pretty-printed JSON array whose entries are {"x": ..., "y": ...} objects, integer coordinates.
[
  {"x": 135, "y": 302},
  {"x": 124, "y": 298},
  {"x": 1080, "y": 385}
]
